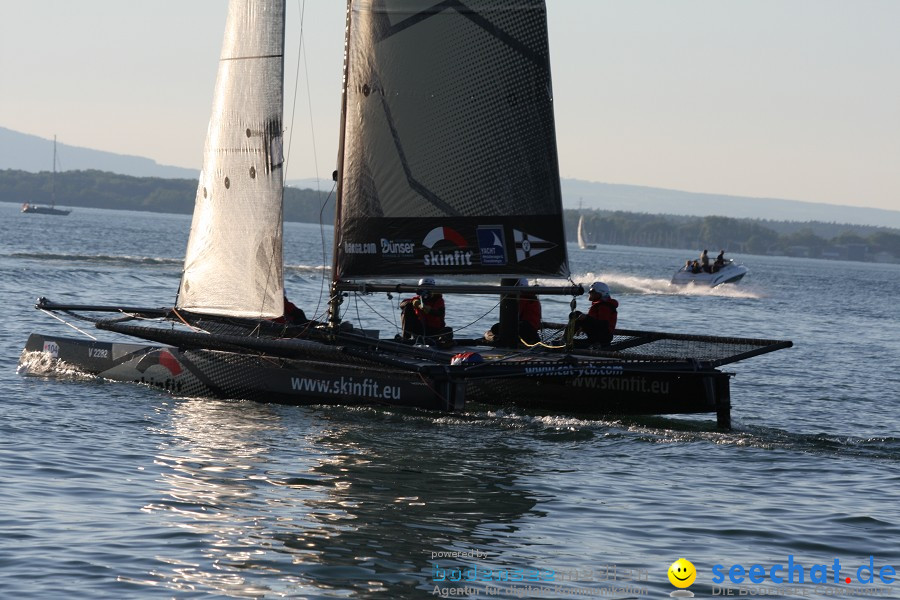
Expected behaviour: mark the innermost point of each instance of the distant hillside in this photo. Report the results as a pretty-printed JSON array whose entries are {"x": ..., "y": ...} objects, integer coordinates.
[
  {"x": 33, "y": 154},
  {"x": 634, "y": 198},
  {"x": 657, "y": 201}
]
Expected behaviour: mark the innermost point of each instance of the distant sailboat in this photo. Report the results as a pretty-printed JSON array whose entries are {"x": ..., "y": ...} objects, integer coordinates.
[
  {"x": 582, "y": 236},
  {"x": 48, "y": 210}
]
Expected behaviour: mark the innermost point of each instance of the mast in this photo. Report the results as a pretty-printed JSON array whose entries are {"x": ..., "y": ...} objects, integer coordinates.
[
  {"x": 53, "y": 177},
  {"x": 334, "y": 301}
]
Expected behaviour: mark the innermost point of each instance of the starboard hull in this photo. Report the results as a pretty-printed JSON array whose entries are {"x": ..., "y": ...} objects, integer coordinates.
[
  {"x": 614, "y": 390},
  {"x": 611, "y": 389}
]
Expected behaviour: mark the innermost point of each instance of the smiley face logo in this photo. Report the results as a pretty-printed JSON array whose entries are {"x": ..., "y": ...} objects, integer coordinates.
[{"x": 682, "y": 573}]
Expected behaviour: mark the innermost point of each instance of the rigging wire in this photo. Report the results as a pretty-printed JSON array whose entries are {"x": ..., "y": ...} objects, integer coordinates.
[
  {"x": 489, "y": 311},
  {"x": 359, "y": 298},
  {"x": 64, "y": 322},
  {"x": 312, "y": 128},
  {"x": 324, "y": 249},
  {"x": 302, "y": 58}
]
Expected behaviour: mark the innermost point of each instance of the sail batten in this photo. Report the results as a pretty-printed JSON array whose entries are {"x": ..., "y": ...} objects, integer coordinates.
[
  {"x": 448, "y": 126},
  {"x": 233, "y": 263}
]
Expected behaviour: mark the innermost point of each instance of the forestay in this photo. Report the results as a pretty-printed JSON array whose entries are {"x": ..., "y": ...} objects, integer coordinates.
[
  {"x": 448, "y": 142},
  {"x": 233, "y": 264}
]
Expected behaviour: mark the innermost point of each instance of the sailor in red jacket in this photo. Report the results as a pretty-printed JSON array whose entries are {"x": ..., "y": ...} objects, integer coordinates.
[
  {"x": 423, "y": 314},
  {"x": 293, "y": 314},
  {"x": 529, "y": 315},
  {"x": 529, "y": 318},
  {"x": 599, "y": 323}
]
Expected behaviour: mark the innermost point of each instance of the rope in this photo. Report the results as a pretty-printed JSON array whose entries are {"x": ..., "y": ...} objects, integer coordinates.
[{"x": 64, "y": 322}]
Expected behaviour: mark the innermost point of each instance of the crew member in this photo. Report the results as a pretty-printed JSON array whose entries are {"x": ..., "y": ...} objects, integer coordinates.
[
  {"x": 529, "y": 317},
  {"x": 423, "y": 314},
  {"x": 293, "y": 314},
  {"x": 599, "y": 323}
]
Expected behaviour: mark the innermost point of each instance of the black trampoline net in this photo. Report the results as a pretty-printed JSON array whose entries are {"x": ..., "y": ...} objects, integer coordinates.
[{"x": 659, "y": 346}]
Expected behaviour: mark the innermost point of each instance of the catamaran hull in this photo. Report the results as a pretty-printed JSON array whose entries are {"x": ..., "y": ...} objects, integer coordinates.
[
  {"x": 217, "y": 374},
  {"x": 620, "y": 389}
]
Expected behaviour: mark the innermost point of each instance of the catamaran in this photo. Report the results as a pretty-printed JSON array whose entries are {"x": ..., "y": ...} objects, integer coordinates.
[{"x": 447, "y": 166}]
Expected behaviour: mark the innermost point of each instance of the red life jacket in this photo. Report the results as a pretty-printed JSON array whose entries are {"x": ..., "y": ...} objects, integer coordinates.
[
  {"x": 530, "y": 310},
  {"x": 434, "y": 316},
  {"x": 605, "y": 310}
]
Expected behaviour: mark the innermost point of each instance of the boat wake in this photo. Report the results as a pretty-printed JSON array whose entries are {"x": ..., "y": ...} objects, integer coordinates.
[
  {"x": 307, "y": 269},
  {"x": 138, "y": 261},
  {"x": 104, "y": 259},
  {"x": 630, "y": 284},
  {"x": 43, "y": 364},
  {"x": 650, "y": 429}
]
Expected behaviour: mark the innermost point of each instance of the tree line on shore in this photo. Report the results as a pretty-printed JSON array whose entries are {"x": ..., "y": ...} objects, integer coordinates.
[
  {"x": 750, "y": 236},
  {"x": 100, "y": 189}
]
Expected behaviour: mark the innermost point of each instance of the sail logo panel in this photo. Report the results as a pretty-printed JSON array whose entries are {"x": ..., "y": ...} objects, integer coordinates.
[
  {"x": 490, "y": 244},
  {"x": 447, "y": 124},
  {"x": 464, "y": 245},
  {"x": 528, "y": 245}
]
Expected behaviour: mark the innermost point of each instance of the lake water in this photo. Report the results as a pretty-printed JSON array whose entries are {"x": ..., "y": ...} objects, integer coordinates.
[{"x": 118, "y": 491}]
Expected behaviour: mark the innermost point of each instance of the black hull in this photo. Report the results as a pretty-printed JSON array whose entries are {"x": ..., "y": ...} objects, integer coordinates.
[
  {"x": 610, "y": 388},
  {"x": 634, "y": 390},
  {"x": 218, "y": 374},
  {"x": 46, "y": 210}
]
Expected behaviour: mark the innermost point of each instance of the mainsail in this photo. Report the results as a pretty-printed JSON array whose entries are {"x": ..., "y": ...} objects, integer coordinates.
[
  {"x": 233, "y": 264},
  {"x": 448, "y": 144}
]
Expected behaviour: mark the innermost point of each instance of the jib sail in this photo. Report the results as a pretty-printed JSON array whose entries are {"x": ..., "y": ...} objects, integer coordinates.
[{"x": 233, "y": 264}]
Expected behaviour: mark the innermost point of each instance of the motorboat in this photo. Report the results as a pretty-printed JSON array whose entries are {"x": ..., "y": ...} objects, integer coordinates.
[{"x": 729, "y": 272}]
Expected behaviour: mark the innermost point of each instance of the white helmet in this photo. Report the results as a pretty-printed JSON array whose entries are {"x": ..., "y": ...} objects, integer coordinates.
[
  {"x": 426, "y": 281},
  {"x": 599, "y": 287},
  {"x": 522, "y": 282}
]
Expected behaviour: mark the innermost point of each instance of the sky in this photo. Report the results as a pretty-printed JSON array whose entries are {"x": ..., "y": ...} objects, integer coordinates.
[{"x": 792, "y": 99}]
